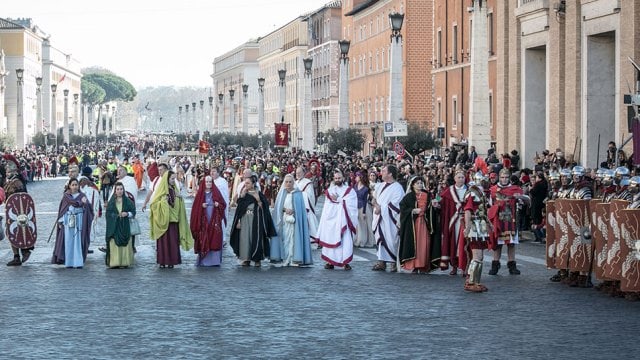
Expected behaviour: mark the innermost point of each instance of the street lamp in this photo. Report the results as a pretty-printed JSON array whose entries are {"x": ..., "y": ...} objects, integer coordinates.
[
  {"x": 54, "y": 121},
  {"x": 282, "y": 74},
  {"x": 210, "y": 121},
  {"x": 19, "y": 110},
  {"x": 396, "y": 20},
  {"x": 343, "y": 98},
  {"x": 260, "y": 108},
  {"x": 65, "y": 119},
  {"x": 307, "y": 126},
  {"x": 232, "y": 120},
  {"x": 39, "y": 104},
  {"x": 179, "y": 126},
  {"x": 200, "y": 128},
  {"x": 220, "y": 111},
  {"x": 76, "y": 96},
  {"x": 245, "y": 109}
]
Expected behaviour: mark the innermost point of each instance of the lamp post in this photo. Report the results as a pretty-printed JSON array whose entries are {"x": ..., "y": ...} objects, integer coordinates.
[
  {"x": 105, "y": 123},
  {"x": 65, "y": 119},
  {"x": 201, "y": 124},
  {"x": 245, "y": 109},
  {"x": 210, "y": 120},
  {"x": 220, "y": 111},
  {"x": 343, "y": 100},
  {"x": 179, "y": 124},
  {"x": 282, "y": 75},
  {"x": 113, "y": 123},
  {"x": 307, "y": 126},
  {"x": 54, "y": 121},
  {"x": 395, "y": 68},
  {"x": 186, "y": 119},
  {"x": 19, "y": 110},
  {"x": 75, "y": 114},
  {"x": 193, "y": 117},
  {"x": 260, "y": 108},
  {"x": 39, "y": 120},
  {"x": 232, "y": 120}
]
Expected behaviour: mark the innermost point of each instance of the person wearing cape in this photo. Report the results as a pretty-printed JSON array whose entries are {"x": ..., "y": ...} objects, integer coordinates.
[
  {"x": 207, "y": 217},
  {"x": 168, "y": 221},
  {"x": 75, "y": 215},
  {"x": 292, "y": 246},
  {"x": 119, "y": 249},
  {"x": 252, "y": 225}
]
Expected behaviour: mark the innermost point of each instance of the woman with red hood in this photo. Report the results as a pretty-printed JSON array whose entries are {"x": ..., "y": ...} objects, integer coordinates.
[{"x": 207, "y": 215}]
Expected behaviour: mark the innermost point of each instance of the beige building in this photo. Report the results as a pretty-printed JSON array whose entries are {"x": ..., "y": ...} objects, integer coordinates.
[
  {"x": 284, "y": 49},
  {"x": 27, "y": 47},
  {"x": 230, "y": 71},
  {"x": 325, "y": 30},
  {"x": 562, "y": 71}
]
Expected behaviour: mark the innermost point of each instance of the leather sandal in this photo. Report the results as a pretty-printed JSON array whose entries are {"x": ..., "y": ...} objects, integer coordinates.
[{"x": 379, "y": 266}]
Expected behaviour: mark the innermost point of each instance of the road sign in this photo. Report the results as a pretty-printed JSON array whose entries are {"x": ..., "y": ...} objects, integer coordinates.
[
  {"x": 398, "y": 148},
  {"x": 395, "y": 128}
]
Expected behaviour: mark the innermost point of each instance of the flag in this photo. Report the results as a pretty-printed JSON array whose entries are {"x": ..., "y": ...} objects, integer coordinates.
[
  {"x": 62, "y": 78},
  {"x": 282, "y": 135},
  {"x": 203, "y": 147}
]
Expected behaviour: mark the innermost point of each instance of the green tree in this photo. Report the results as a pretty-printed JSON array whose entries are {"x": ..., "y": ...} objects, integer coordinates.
[
  {"x": 417, "y": 140},
  {"x": 346, "y": 140}
]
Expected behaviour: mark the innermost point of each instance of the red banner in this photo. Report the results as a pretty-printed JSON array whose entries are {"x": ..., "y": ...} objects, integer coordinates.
[
  {"x": 203, "y": 147},
  {"x": 282, "y": 135}
]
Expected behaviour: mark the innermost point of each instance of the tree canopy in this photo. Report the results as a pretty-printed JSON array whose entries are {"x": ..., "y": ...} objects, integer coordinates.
[{"x": 101, "y": 87}]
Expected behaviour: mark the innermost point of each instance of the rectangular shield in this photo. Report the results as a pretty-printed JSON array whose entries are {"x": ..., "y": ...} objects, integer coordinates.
[
  {"x": 551, "y": 234},
  {"x": 630, "y": 234},
  {"x": 613, "y": 269},
  {"x": 600, "y": 218}
]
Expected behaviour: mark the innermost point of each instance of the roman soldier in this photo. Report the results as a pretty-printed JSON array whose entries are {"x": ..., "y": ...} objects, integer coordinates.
[
  {"x": 505, "y": 198},
  {"x": 14, "y": 183},
  {"x": 476, "y": 234}
]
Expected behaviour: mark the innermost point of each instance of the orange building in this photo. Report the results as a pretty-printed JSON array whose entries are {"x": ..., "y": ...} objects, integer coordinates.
[
  {"x": 452, "y": 67},
  {"x": 366, "y": 24}
]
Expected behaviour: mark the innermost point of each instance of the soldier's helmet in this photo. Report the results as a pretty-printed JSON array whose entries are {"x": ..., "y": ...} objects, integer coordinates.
[
  {"x": 634, "y": 184},
  {"x": 600, "y": 174},
  {"x": 578, "y": 170},
  {"x": 622, "y": 175},
  {"x": 608, "y": 177},
  {"x": 554, "y": 176},
  {"x": 565, "y": 173},
  {"x": 479, "y": 178}
]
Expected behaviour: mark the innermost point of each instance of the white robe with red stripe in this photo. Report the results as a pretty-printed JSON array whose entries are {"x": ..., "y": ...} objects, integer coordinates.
[
  {"x": 337, "y": 227},
  {"x": 306, "y": 186},
  {"x": 386, "y": 224}
]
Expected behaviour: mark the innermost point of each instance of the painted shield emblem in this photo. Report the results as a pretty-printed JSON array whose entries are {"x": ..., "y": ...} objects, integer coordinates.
[{"x": 21, "y": 220}]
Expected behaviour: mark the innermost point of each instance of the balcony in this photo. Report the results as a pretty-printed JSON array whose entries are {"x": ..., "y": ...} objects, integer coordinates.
[{"x": 526, "y": 7}]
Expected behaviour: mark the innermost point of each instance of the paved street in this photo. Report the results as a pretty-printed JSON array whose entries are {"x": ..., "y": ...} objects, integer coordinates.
[{"x": 47, "y": 311}]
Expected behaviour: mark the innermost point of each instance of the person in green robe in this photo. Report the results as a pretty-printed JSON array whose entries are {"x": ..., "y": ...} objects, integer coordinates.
[{"x": 118, "y": 235}]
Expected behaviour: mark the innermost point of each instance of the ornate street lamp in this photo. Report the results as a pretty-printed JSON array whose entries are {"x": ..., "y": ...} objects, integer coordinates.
[
  {"x": 343, "y": 96},
  {"x": 54, "y": 121},
  {"x": 245, "y": 109},
  {"x": 19, "y": 110},
  {"x": 306, "y": 139},
  {"x": 344, "y": 48},
  {"x": 260, "y": 109},
  {"x": 282, "y": 74},
  {"x": 39, "y": 104},
  {"x": 396, "y": 20},
  {"x": 220, "y": 111},
  {"x": 232, "y": 119},
  {"x": 65, "y": 119}
]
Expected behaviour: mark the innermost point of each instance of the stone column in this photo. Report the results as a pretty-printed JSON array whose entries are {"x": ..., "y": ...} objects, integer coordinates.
[{"x": 479, "y": 122}]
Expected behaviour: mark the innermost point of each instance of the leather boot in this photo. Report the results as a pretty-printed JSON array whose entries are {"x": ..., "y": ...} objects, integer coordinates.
[
  {"x": 495, "y": 266},
  {"x": 15, "y": 262},
  {"x": 513, "y": 270}
]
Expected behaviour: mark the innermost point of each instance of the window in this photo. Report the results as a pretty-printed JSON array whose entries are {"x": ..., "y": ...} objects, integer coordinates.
[
  {"x": 438, "y": 59},
  {"x": 454, "y": 113},
  {"x": 454, "y": 56},
  {"x": 490, "y": 30}
]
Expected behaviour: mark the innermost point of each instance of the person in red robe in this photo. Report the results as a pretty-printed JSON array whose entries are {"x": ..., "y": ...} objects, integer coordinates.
[
  {"x": 503, "y": 218},
  {"x": 207, "y": 215},
  {"x": 451, "y": 217}
]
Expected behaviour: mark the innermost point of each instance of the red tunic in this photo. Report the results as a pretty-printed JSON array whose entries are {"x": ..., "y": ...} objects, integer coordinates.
[{"x": 502, "y": 213}]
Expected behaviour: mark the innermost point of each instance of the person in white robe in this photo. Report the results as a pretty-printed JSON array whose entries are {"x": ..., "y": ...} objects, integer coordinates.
[
  {"x": 337, "y": 227},
  {"x": 386, "y": 218},
  {"x": 306, "y": 186}
]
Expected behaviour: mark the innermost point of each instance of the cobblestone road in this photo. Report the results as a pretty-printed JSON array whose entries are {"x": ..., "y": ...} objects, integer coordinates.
[{"x": 234, "y": 312}]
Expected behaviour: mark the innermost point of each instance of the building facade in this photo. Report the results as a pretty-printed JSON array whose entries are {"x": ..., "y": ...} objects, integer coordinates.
[
  {"x": 366, "y": 24},
  {"x": 451, "y": 63},
  {"x": 563, "y": 71},
  {"x": 325, "y": 30},
  {"x": 284, "y": 49},
  {"x": 230, "y": 71}
]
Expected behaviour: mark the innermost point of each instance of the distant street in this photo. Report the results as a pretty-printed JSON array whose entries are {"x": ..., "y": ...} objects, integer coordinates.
[{"x": 47, "y": 311}]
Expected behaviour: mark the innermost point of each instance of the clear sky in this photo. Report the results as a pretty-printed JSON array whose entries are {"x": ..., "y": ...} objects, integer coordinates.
[{"x": 156, "y": 42}]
